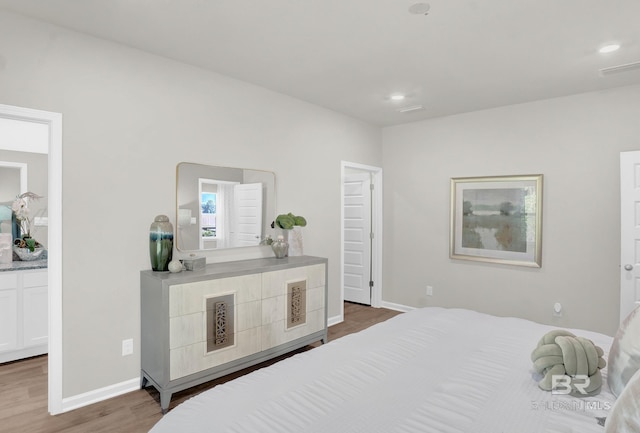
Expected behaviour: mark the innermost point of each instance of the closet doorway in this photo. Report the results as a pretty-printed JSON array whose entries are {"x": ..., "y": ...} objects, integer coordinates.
[
  {"x": 51, "y": 145},
  {"x": 361, "y": 234}
]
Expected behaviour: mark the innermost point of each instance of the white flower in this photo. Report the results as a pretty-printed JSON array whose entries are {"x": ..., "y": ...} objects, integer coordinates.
[{"x": 20, "y": 209}]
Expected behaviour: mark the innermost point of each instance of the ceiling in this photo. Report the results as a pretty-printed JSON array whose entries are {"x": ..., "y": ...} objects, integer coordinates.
[{"x": 352, "y": 55}]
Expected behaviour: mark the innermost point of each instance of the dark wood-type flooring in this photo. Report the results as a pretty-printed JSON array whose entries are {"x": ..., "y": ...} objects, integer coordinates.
[{"x": 23, "y": 392}]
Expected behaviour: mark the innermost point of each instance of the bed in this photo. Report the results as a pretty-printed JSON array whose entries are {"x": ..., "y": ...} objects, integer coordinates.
[{"x": 431, "y": 370}]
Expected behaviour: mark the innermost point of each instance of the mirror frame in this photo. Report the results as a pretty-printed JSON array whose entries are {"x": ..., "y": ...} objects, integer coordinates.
[{"x": 22, "y": 166}]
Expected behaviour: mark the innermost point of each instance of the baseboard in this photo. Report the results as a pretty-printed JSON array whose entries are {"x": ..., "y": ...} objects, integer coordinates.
[
  {"x": 97, "y": 395},
  {"x": 26, "y": 352},
  {"x": 396, "y": 307},
  {"x": 335, "y": 320}
]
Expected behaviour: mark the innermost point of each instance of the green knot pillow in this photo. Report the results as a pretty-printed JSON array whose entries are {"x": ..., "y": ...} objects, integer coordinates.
[{"x": 568, "y": 364}]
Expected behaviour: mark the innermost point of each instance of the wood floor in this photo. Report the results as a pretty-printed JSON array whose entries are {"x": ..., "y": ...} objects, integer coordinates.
[{"x": 23, "y": 392}]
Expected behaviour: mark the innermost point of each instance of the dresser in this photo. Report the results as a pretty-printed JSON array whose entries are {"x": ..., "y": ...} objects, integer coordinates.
[{"x": 200, "y": 325}]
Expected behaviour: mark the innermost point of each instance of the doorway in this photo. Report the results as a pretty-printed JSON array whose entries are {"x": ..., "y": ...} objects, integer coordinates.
[
  {"x": 52, "y": 146},
  {"x": 361, "y": 234}
]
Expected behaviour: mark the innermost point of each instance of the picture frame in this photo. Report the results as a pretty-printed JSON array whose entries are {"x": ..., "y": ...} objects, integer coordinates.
[{"x": 497, "y": 219}]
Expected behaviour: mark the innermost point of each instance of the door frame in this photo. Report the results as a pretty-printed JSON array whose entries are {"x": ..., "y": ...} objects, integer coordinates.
[
  {"x": 376, "y": 244},
  {"x": 54, "y": 242}
]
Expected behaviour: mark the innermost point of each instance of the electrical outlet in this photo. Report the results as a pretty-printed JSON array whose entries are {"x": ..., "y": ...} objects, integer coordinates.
[
  {"x": 429, "y": 290},
  {"x": 557, "y": 309},
  {"x": 127, "y": 347}
]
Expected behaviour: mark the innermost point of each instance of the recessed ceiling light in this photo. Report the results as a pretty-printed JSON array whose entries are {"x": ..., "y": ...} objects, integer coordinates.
[
  {"x": 609, "y": 48},
  {"x": 397, "y": 97}
]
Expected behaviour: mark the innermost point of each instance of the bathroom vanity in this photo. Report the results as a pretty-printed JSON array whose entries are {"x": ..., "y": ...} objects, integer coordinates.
[{"x": 24, "y": 314}]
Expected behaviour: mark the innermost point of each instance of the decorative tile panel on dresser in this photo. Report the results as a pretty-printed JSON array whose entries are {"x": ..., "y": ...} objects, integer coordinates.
[{"x": 201, "y": 325}]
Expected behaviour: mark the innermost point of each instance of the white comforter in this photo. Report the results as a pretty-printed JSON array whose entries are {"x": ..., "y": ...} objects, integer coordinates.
[{"x": 430, "y": 370}]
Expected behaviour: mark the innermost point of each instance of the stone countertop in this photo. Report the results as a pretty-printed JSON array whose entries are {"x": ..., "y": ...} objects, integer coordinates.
[
  {"x": 23, "y": 266},
  {"x": 19, "y": 265}
]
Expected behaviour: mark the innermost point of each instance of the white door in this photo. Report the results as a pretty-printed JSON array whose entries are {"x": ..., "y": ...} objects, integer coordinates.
[
  {"x": 357, "y": 238},
  {"x": 629, "y": 232},
  {"x": 247, "y": 202}
]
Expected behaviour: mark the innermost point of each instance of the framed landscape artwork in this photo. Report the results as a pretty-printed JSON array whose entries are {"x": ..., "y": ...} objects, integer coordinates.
[{"x": 497, "y": 219}]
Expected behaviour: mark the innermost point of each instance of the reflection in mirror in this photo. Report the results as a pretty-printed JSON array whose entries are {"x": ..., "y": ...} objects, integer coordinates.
[
  {"x": 222, "y": 207},
  {"x": 13, "y": 182}
]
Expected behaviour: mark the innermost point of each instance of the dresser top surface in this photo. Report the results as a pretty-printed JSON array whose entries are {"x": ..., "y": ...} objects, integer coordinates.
[{"x": 235, "y": 268}]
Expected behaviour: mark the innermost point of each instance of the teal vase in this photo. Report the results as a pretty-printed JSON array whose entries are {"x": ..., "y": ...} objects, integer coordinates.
[{"x": 161, "y": 243}]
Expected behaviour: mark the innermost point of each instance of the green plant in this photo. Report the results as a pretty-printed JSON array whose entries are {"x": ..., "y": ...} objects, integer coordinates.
[{"x": 288, "y": 221}]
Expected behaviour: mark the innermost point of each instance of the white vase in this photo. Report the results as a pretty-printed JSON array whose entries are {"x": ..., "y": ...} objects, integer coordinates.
[
  {"x": 175, "y": 266},
  {"x": 295, "y": 241},
  {"x": 280, "y": 247}
]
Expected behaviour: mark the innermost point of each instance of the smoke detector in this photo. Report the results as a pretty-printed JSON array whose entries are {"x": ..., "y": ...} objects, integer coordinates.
[{"x": 420, "y": 9}]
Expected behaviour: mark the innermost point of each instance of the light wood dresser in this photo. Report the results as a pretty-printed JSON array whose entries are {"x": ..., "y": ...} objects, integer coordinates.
[{"x": 201, "y": 325}]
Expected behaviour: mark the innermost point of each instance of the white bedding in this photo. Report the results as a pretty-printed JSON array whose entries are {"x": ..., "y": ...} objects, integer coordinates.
[{"x": 429, "y": 370}]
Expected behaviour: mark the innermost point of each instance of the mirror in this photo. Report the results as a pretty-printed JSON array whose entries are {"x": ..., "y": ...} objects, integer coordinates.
[
  {"x": 24, "y": 147},
  {"x": 222, "y": 207}
]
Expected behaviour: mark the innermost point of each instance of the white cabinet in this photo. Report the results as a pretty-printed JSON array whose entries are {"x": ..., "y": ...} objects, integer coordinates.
[
  {"x": 24, "y": 318},
  {"x": 200, "y": 325},
  {"x": 35, "y": 299},
  {"x": 8, "y": 311}
]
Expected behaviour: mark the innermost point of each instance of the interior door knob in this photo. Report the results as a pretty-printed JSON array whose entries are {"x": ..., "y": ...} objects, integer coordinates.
[{"x": 628, "y": 267}]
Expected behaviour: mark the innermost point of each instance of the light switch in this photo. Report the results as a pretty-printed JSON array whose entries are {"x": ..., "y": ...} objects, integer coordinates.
[
  {"x": 41, "y": 221},
  {"x": 127, "y": 347}
]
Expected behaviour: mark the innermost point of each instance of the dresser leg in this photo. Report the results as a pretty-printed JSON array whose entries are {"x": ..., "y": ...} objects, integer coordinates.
[{"x": 165, "y": 399}]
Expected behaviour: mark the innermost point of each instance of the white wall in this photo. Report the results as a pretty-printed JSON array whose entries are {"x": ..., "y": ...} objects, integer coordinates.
[
  {"x": 575, "y": 143},
  {"x": 128, "y": 118}
]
